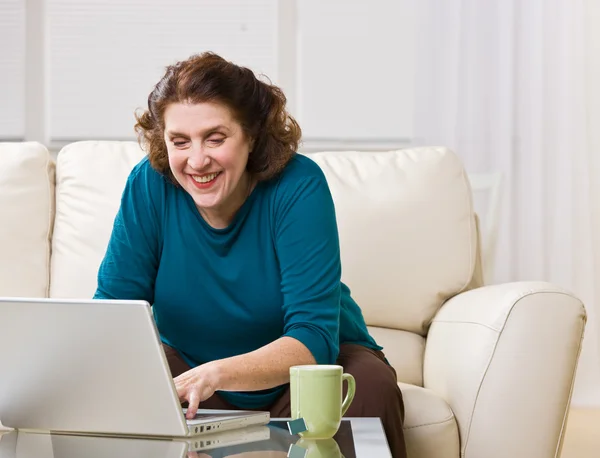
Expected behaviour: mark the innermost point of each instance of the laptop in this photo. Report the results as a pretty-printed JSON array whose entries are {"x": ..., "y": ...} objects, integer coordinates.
[{"x": 94, "y": 367}]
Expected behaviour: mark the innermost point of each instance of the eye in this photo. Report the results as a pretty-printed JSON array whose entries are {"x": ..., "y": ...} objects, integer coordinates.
[
  {"x": 216, "y": 141},
  {"x": 180, "y": 143}
]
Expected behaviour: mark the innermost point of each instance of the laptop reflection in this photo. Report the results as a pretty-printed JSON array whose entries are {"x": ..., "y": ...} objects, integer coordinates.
[{"x": 20, "y": 444}]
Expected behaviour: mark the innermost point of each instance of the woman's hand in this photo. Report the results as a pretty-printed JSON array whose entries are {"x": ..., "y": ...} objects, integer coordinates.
[
  {"x": 195, "y": 386},
  {"x": 264, "y": 368}
]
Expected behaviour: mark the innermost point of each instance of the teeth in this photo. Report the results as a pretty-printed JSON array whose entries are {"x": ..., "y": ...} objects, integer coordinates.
[{"x": 205, "y": 178}]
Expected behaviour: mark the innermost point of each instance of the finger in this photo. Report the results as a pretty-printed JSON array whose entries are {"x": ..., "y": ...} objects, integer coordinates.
[
  {"x": 181, "y": 391},
  {"x": 193, "y": 403},
  {"x": 181, "y": 384}
]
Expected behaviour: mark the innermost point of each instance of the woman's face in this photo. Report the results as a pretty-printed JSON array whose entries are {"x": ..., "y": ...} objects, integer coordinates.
[{"x": 208, "y": 153}]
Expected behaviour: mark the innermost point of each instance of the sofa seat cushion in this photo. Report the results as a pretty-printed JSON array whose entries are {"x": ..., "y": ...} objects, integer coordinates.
[
  {"x": 404, "y": 350},
  {"x": 26, "y": 206},
  {"x": 430, "y": 428}
]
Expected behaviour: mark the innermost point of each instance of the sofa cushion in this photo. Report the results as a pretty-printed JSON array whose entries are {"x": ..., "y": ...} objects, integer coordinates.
[
  {"x": 407, "y": 231},
  {"x": 26, "y": 206},
  {"x": 419, "y": 199},
  {"x": 430, "y": 429},
  {"x": 90, "y": 177},
  {"x": 404, "y": 350}
]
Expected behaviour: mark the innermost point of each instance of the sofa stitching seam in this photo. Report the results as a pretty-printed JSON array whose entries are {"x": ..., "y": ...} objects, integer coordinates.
[
  {"x": 470, "y": 322},
  {"x": 447, "y": 420},
  {"x": 515, "y": 300}
]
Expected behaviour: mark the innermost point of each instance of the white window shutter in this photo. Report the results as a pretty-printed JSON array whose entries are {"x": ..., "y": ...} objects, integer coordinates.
[
  {"x": 12, "y": 69},
  {"x": 105, "y": 56}
]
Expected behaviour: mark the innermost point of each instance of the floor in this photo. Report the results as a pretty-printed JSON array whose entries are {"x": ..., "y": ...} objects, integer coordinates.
[{"x": 582, "y": 439}]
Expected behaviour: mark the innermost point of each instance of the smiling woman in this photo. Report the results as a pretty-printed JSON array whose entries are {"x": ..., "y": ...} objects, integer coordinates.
[
  {"x": 232, "y": 237},
  {"x": 208, "y": 156},
  {"x": 204, "y": 118}
]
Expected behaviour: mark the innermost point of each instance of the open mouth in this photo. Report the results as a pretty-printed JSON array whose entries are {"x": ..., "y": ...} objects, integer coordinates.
[{"x": 206, "y": 180}]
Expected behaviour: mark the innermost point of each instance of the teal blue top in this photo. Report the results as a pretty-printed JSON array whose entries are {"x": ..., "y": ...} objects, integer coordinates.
[{"x": 274, "y": 271}]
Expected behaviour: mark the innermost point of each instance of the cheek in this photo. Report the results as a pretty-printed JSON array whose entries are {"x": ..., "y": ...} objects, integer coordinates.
[
  {"x": 177, "y": 161},
  {"x": 233, "y": 159}
]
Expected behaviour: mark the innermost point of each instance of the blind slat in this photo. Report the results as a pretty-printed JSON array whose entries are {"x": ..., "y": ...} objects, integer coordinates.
[
  {"x": 12, "y": 69},
  {"x": 106, "y": 56}
]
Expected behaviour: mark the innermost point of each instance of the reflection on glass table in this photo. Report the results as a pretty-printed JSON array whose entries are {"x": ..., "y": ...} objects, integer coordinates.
[{"x": 356, "y": 438}]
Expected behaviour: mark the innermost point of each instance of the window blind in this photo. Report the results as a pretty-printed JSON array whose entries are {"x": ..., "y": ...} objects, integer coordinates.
[
  {"x": 105, "y": 56},
  {"x": 12, "y": 69}
]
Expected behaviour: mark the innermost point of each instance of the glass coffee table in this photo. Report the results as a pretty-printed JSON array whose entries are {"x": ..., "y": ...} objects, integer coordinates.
[{"x": 356, "y": 438}]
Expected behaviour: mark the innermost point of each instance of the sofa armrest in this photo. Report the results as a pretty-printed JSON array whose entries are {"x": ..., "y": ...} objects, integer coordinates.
[{"x": 504, "y": 358}]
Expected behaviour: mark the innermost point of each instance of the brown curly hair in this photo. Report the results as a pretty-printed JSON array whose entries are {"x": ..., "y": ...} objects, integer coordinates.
[{"x": 258, "y": 107}]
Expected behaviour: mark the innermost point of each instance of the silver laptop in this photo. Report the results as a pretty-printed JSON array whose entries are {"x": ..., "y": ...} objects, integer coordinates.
[{"x": 94, "y": 367}]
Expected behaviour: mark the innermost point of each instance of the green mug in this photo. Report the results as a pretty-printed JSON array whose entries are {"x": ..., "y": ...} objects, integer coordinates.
[{"x": 316, "y": 397}]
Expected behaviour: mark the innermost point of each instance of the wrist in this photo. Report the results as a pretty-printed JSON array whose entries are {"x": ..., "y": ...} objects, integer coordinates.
[{"x": 216, "y": 372}]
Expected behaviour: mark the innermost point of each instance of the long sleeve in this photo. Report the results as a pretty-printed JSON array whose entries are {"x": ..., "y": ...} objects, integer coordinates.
[
  {"x": 307, "y": 247},
  {"x": 129, "y": 267}
]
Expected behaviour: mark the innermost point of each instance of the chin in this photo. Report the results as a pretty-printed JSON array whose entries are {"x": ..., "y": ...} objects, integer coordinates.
[{"x": 206, "y": 204}]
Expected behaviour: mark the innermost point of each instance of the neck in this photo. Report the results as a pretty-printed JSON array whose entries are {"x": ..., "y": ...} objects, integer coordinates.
[{"x": 220, "y": 218}]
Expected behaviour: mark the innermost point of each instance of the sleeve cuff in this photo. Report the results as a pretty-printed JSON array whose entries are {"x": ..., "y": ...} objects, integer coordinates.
[{"x": 323, "y": 351}]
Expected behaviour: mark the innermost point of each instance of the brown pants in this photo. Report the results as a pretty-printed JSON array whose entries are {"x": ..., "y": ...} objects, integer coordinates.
[{"x": 377, "y": 392}]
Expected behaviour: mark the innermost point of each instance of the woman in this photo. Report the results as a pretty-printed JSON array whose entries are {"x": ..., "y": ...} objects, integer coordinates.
[{"x": 232, "y": 237}]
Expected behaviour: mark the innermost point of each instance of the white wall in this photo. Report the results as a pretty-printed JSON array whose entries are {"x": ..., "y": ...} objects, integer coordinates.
[
  {"x": 587, "y": 389},
  {"x": 354, "y": 67}
]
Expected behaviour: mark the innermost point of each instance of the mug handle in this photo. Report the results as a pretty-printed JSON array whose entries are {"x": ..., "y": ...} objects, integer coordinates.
[{"x": 351, "y": 391}]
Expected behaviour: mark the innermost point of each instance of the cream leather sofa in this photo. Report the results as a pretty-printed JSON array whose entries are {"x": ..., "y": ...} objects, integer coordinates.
[{"x": 486, "y": 371}]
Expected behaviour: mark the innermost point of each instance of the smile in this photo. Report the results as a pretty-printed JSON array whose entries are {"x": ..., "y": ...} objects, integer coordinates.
[
  {"x": 205, "y": 181},
  {"x": 205, "y": 178}
]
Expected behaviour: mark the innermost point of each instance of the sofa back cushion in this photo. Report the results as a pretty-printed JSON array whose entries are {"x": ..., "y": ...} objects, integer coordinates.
[
  {"x": 407, "y": 231},
  {"x": 407, "y": 228},
  {"x": 26, "y": 206},
  {"x": 90, "y": 177}
]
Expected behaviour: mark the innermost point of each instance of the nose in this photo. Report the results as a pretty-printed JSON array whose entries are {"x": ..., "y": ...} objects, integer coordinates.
[{"x": 198, "y": 159}]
